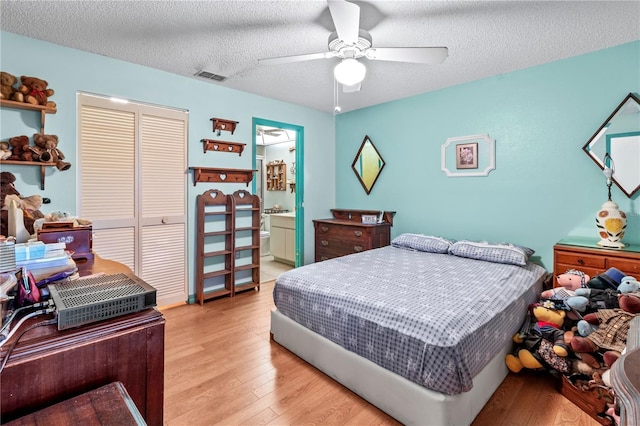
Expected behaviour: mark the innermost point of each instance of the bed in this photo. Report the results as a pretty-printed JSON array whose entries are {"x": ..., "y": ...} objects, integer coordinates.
[{"x": 420, "y": 332}]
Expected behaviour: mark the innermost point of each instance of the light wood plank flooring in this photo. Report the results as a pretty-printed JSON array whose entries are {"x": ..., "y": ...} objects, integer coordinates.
[{"x": 222, "y": 369}]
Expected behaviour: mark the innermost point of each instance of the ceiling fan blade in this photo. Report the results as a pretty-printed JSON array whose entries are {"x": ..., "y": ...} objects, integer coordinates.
[
  {"x": 351, "y": 89},
  {"x": 346, "y": 18},
  {"x": 419, "y": 55},
  {"x": 295, "y": 58}
]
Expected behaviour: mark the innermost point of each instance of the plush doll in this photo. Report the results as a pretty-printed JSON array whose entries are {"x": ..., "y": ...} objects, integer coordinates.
[
  {"x": 568, "y": 283},
  {"x": 5, "y": 150},
  {"x": 46, "y": 150},
  {"x": 611, "y": 278},
  {"x": 612, "y": 326},
  {"x": 30, "y": 205},
  {"x": 35, "y": 92},
  {"x": 542, "y": 344},
  {"x": 20, "y": 148},
  {"x": 7, "y": 81}
]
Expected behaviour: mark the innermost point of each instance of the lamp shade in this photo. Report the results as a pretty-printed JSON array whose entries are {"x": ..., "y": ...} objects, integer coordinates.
[{"x": 349, "y": 72}]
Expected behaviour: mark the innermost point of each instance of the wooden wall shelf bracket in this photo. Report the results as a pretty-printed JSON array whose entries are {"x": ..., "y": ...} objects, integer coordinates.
[
  {"x": 31, "y": 163},
  {"x": 220, "y": 124},
  {"x": 23, "y": 105},
  {"x": 222, "y": 146},
  {"x": 207, "y": 174}
]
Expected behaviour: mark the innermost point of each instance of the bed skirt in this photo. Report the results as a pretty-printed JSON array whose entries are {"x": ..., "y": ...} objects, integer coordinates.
[{"x": 406, "y": 401}]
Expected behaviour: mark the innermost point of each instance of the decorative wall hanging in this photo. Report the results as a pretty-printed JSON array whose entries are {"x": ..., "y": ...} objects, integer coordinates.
[{"x": 468, "y": 155}]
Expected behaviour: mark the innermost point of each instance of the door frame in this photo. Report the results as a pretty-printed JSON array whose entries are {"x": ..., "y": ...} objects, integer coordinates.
[{"x": 299, "y": 177}]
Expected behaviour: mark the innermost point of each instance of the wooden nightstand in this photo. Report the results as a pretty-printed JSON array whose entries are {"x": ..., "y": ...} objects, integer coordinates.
[{"x": 584, "y": 255}]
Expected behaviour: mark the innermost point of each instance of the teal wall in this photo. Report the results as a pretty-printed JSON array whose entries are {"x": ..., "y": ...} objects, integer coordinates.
[
  {"x": 544, "y": 187},
  {"x": 70, "y": 71}
]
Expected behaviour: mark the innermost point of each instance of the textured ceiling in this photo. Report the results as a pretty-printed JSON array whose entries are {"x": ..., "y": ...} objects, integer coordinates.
[{"x": 228, "y": 37}]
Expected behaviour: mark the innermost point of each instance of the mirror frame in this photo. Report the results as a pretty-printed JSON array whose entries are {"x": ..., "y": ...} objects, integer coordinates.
[
  {"x": 600, "y": 133},
  {"x": 355, "y": 161}
]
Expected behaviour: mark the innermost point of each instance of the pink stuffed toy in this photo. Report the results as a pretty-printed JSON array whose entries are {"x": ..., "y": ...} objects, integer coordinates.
[{"x": 568, "y": 283}]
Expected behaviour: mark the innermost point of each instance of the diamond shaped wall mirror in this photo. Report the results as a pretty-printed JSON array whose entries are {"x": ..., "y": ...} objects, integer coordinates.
[
  {"x": 368, "y": 164},
  {"x": 619, "y": 136}
]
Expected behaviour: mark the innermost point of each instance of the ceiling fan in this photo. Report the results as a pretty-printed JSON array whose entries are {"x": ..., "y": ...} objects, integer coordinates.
[{"x": 350, "y": 43}]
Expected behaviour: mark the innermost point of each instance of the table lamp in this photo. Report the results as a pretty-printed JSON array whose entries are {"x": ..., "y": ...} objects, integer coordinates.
[{"x": 610, "y": 220}]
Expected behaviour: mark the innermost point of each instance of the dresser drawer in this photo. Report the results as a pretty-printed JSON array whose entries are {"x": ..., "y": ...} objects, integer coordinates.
[
  {"x": 345, "y": 245},
  {"x": 343, "y": 231},
  {"x": 628, "y": 266},
  {"x": 580, "y": 260}
]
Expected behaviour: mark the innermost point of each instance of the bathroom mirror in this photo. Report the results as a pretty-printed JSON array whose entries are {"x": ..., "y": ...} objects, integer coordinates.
[
  {"x": 368, "y": 164},
  {"x": 619, "y": 136}
]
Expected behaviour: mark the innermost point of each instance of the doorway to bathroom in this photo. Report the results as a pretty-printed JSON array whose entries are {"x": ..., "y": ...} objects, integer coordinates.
[{"x": 278, "y": 149}]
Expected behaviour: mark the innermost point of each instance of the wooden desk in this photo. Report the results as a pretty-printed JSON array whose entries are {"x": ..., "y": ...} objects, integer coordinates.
[{"x": 48, "y": 366}]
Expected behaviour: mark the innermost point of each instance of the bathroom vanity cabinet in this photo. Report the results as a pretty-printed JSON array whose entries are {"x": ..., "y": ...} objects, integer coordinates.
[{"x": 283, "y": 237}]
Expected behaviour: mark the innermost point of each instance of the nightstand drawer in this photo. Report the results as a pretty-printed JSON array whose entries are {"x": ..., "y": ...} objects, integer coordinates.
[
  {"x": 628, "y": 266},
  {"x": 580, "y": 260}
]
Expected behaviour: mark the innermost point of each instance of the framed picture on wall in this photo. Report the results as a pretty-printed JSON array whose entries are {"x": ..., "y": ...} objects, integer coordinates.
[{"x": 467, "y": 156}]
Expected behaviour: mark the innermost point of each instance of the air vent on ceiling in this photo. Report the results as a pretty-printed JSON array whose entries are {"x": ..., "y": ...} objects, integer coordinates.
[{"x": 211, "y": 76}]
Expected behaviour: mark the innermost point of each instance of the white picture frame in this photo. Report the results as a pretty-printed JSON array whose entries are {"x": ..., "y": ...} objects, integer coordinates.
[{"x": 485, "y": 156}]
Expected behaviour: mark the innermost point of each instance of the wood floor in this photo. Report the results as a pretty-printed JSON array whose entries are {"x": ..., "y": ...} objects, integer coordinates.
[{"x": 222, "y": 369}]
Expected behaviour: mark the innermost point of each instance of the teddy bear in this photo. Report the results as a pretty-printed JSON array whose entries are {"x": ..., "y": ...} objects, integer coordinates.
[
  {"x": 35, "y": 92},
  {"x": 7, "y": 81},
  {"x": 20, "y": 148},
  {"x": 30, "y": 205},
  {"x": 5, "y": 150},
  {"x": 541, "y": 342},
  {"x": 612, "y": 326},
  {"x": 46, "y": 150}
]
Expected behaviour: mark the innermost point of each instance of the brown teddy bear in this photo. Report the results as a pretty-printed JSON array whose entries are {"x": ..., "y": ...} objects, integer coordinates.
[
  {"x": 30, "y": 205},
  {"x": 46, "y": 150},
  {"x": 7, "y": 81},
  {"x": 20, "y": 148},
  {"x": 35, "y": 91}
]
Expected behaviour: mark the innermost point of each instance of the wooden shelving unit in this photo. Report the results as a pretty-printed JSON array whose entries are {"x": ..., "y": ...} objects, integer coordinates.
[
  {"x": 43, "y": 112},
  {"x": 207, "y": 174},
  {"x": 246, "y": 268},
  {"x": 276, "y": 176},
  {"x": 228, "y": 244},
  {"x": 222, "y": 146},
  {"x": 215, "y": 245}
]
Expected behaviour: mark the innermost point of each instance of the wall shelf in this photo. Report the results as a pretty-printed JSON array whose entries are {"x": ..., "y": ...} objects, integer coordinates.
[
  {"x": 43, "y": 112},
  {"x": 207, "y": 174},
  {"x": 220, "y": 124},
  {"x": 222, "y": 146},
  {"x": 31, "y": 163},
  {"x": 276, "y": 175}
]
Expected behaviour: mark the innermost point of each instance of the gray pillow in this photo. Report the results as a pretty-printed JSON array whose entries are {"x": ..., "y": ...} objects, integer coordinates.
[
  {"x": 418, "y": 242},
  {"x": 510, "y": 254}
]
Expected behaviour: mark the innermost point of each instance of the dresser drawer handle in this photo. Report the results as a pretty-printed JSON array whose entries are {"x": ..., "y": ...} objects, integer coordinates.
[
  {"x": 357, "y": 233},
  {"x": 324, "y": 228},
  {"x": 324, "y": 242},
  {"x": 357, "y": 248},
  {"x": 580, "y": 262}
]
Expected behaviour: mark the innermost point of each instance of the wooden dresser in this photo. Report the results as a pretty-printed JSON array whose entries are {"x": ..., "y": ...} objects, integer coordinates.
[
  {"x": 346, "y": 234},
  {"x": 48, "y": 366},
  {"x": 584, "y": 255}
]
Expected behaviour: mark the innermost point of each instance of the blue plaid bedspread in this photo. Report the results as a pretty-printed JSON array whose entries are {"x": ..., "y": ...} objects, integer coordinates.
[{"x": 435, "y": 319}]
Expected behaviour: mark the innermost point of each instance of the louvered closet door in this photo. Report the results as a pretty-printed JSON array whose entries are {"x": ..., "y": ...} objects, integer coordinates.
[{"x": 133, "y": 187}]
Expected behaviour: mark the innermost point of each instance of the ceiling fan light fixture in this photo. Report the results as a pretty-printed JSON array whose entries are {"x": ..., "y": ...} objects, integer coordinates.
[{"x": 349, "y": 72}]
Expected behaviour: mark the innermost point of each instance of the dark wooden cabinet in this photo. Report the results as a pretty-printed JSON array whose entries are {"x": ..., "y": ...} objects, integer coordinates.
[
  {"x": 48, "y": 366},
  {"x": 346, "y": 234},
  {"x": 594, "y": 261}
]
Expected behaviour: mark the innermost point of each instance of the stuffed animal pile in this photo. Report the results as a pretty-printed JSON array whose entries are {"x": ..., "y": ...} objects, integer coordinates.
[{"x": 578, "y": 329}]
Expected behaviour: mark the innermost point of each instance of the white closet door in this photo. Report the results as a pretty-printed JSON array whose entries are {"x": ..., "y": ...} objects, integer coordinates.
[
  {"x": 163, "y": 207},
  {"x": 133, "y": 187}
]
